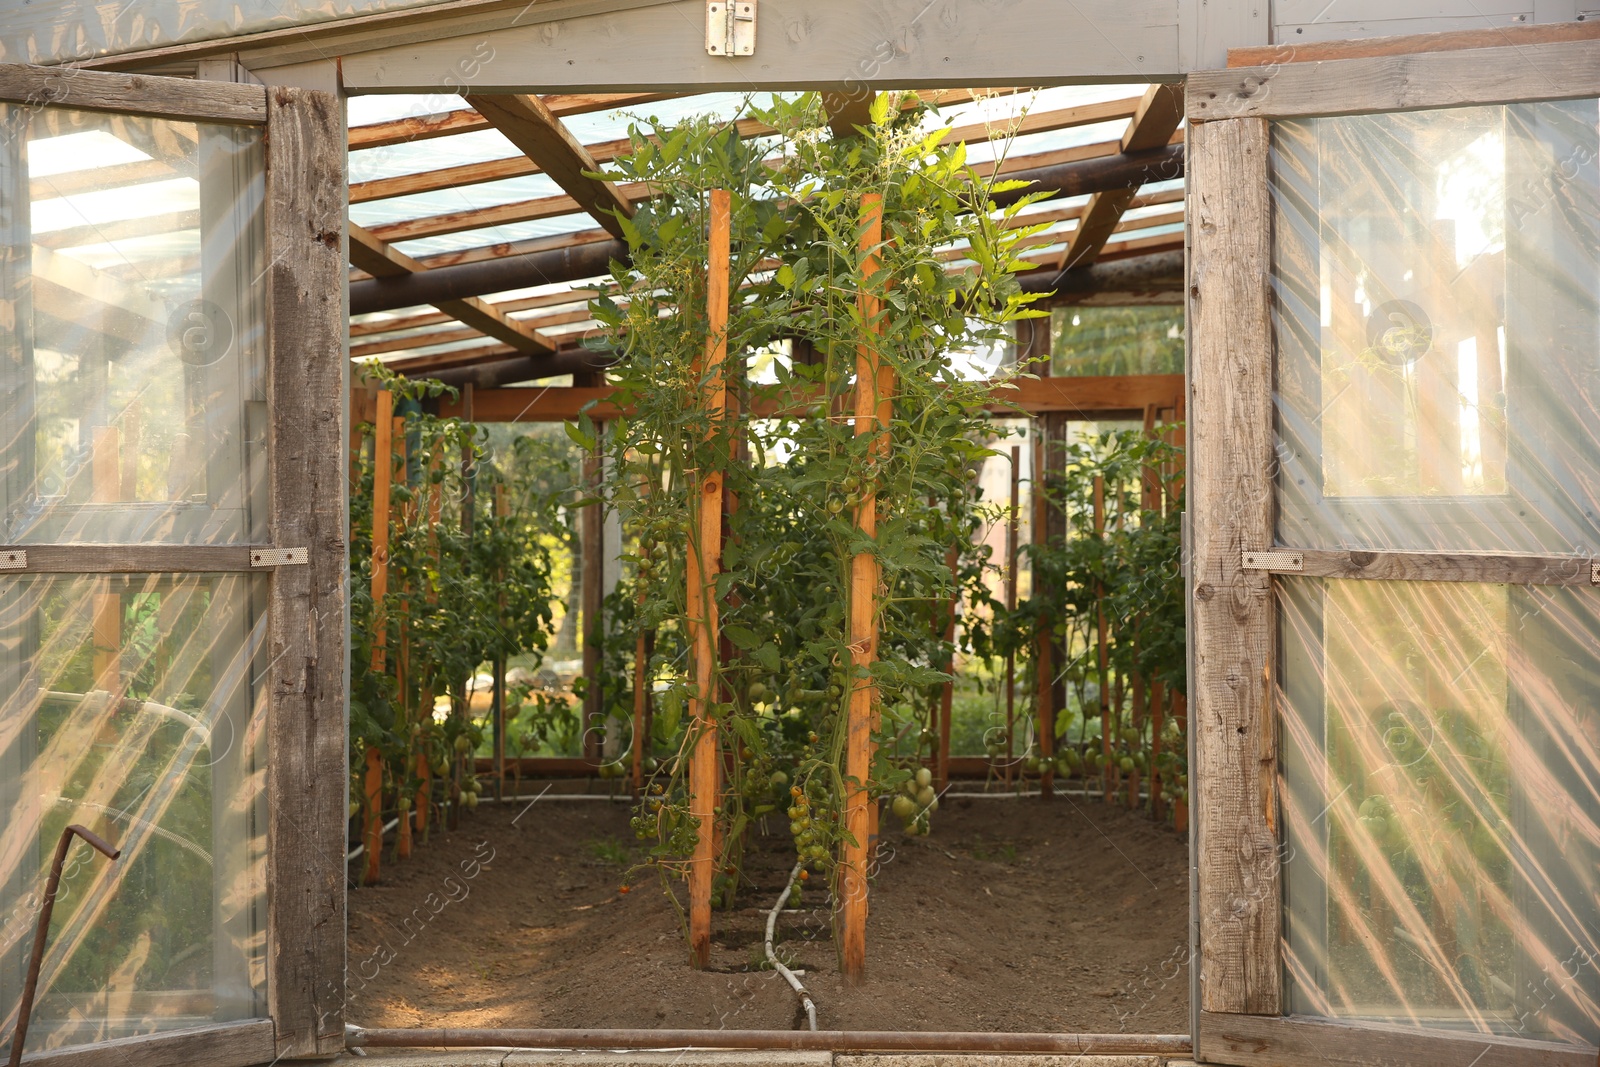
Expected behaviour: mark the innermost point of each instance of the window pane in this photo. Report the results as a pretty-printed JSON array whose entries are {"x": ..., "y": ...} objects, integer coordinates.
[
  {"x": 132, "y": 385},
  {"x": 1116, "y": 340},
  {"x": 131, "y": 705},
  {"x": 1441, "y": 754},
  {"x": 1437, "y": 283}
]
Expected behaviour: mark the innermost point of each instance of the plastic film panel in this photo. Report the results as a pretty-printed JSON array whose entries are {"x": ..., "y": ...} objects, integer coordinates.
[
  {"x": 133, "y": 377},
  {"x": 1441, "y": 805},
  {"x": 134, "y": 705},
  {"x": 57, "y": 30},
  {"x": 1437, "y": 284}
]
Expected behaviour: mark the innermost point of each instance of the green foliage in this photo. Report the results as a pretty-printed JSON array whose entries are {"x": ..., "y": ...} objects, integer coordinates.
[
  {"x": 1117, "y": 340},
  {"x": 797, "y": 265},
  {"x": 457, "y": 597}
]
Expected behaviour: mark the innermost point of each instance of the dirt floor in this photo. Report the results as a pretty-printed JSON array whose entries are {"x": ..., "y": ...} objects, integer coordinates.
[{"x": 1012, "y": 915}]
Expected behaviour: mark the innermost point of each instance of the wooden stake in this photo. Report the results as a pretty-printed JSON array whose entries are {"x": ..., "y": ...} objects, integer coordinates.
[
  {"x": 1011, "y": 607},
  {"x": 941, "y": 761},
  {"x": 402, "y": 673},
  {"x": 704, "y": 563},
  {"x": 501, "y": 510},
  {"x": 382, "y": 469},
  {"x": 591, "y": 532},
  {"x": 1044, "y": 667},
  {"x": 426, "y": 696},
  {"x": 874, "y": 409}
]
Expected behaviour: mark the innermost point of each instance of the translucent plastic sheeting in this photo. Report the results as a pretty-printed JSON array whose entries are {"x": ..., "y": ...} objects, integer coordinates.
[
  {"x": 1437, "y": 290},
  {"x": 131, "y": 704},
  {"x": 132, "y": 384},
  {"x": 1441, "y": 805},
  {"x": 49, "y": 31}
]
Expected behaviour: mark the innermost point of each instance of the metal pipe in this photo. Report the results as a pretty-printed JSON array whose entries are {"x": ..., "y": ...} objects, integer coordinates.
[
  {"x": 1122, "y": 171},
  {"x": 31, "y": 983},
  {"x": 830, "y": 1040}
]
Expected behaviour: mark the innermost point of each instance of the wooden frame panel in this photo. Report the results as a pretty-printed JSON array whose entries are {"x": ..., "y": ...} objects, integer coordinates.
[
  {"x": 1241, "y": 987},
  {"x": 167, "y": 98},
  {"x": 131, "y": 559},
  {"x": 1564, "y": 70},
  {"x": 308, "y": 380}
]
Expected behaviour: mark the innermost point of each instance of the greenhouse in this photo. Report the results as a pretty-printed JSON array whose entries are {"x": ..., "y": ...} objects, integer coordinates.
[{"x": 826, "y": 535}]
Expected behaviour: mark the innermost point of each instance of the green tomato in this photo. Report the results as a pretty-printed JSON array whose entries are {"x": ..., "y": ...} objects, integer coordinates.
[{"x": 923, "y": 777}]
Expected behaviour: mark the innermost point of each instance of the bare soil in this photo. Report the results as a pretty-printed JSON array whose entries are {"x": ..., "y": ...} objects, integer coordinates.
[{"x": 1013, "y": 915}]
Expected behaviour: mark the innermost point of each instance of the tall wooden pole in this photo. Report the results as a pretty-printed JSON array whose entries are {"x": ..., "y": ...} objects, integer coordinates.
[
  {"x": 1044, "y": 646},
  {"x": 1011, "y": 608},
  {"x": 592, "y": 532},
  {"x": 502, "y": 510},
  {"x": 941, "y": 761},
  {"x": 382, "y": 471},
  {"x": 874, "y": 408},
  {"x": 425, "y": 698},
  {"x": 1103, "y": 651},
  {"x": 704, "y": 563},
  {"x": 402, "y": 841}
]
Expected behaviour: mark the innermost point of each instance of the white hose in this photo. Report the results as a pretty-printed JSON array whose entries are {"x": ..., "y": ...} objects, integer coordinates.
[{"x": 772, "y": 957}]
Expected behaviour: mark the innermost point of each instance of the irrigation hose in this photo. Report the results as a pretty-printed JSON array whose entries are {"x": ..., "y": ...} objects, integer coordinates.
[{"x": 772, "y": 957}]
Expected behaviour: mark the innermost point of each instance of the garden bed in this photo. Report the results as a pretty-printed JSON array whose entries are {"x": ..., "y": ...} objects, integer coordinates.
[{"x": 1012, "y": 915}]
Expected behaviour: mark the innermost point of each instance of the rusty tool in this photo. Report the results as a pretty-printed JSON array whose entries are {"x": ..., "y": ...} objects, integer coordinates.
[{"x": 25, "y": 1009}]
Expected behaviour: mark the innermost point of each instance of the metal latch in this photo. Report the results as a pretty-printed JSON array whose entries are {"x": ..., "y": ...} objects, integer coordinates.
[
  {"x": 1594, "y": 573},
  {"x": 277, "y": 557},
  {"x": 1275, "y": 560},
  {"x": 731, "y": 27},
  {"x": 13, "y": 559}
]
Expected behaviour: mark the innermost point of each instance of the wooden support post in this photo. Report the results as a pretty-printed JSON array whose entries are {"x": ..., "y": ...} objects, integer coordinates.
[
  {"x": 105, "y": 483},
  {"x": 1103, "y": 655},
  {"x": 874, "y": 409},
  {"x": 426, "y": 696},
  {"x": 382, "y": 471},
  {"x": 704, "y": 563},
  {"x": 402, "y": 672},
  {"x": 941, "y": 762},
  {"x": 1011, "y": 608},
  {"x": 1044, "y": 666},
  {"x": 591, "y": 532},
  {"x": 501, "y": 511}
]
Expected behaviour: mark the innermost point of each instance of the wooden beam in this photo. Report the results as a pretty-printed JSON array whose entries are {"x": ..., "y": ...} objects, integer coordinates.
[
  {"x": 848, "y": 109},
  {"x": 1267, "y": 1041},
  {"x": 1159, "y": 114},
  {"x": 1230, "y": 483},
  {"x": 179, "y": 99},
  {"x": 1476, "y": 567},
  {"x": 1449, "y": 41},
  {"x": 426, "y": 127},
  {"x": 1562, "y": 70},
  {"x": 528, "y": 123},
  {"x": 375, "y": 256}
]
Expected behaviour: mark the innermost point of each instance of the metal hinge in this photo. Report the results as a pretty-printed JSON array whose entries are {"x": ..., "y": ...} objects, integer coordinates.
[
  {"x": 731, "y": 27},
  {"x": 13, "y": 559},
  {"x": 1275, "y": 560},
  {"x": 277, "y": 557}
]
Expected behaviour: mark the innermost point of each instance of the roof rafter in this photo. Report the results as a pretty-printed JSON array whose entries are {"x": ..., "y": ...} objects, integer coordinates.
[
  {"x": 1154, "y": 124},
  {"x": 528, "y": 123},
  {"x": 374, "y": 256}
]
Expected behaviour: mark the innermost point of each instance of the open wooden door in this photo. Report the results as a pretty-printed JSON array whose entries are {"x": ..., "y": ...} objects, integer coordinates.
[
  {"x": 172, "y": 565},
  {"x": 1395, "y": 553}
]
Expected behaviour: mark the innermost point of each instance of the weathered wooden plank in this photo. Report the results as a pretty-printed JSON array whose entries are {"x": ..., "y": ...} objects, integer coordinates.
[
  {"x": 138, "y": 94},
  {"x": 1562, "y": 70},
  {"x": 130, "y": 559},
  {"x": 1230, "y": 486},
  {"x": 1509, "y": 36},
  {"x": 308, "y": 377},
  {"x": 1269, "y": 1041},
  {"x": 1441, "y": 567},
  {"x": 704, "y": 563},
  {"x": 224, "y": 1045}
]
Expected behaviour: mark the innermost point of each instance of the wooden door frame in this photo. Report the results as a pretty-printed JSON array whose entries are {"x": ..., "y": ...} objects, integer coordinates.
[
  {"x": 1232, "y": 470},
  {"x": 306, "y": 685}
]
